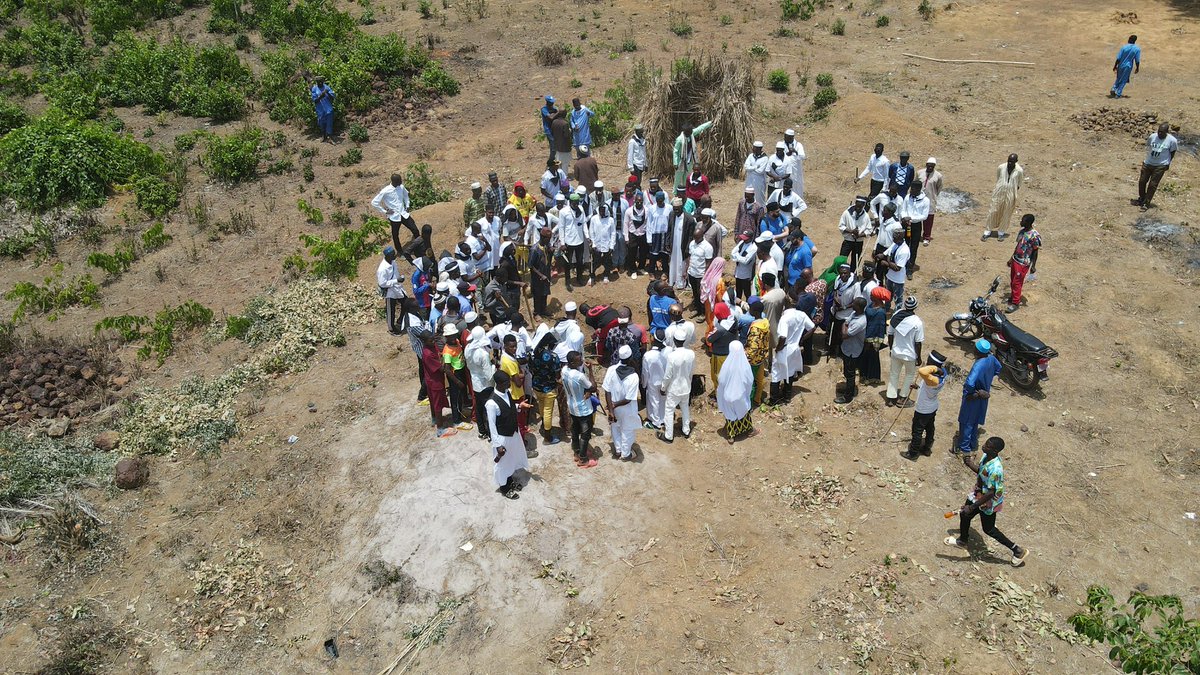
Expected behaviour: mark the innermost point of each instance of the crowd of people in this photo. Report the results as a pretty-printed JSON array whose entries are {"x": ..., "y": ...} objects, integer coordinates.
[{"x": 732, "y": 312}]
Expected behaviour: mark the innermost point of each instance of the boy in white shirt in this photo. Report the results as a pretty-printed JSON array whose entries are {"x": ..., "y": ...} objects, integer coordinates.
[{"x": 932, "y": 378}]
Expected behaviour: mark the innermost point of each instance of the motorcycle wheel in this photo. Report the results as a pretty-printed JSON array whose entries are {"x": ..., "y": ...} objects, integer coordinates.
[
  {"x": 1024, "y": 376},
  {"x": 963, "y": 329}
]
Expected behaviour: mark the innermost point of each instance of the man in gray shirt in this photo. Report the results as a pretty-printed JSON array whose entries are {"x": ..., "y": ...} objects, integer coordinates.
[
  {"x": 1160, "y": 150},
  {"x": 853, "y": 338}
]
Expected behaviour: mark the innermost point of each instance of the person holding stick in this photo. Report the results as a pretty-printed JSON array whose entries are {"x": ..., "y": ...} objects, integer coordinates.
[{"x": 986, "y": 500}]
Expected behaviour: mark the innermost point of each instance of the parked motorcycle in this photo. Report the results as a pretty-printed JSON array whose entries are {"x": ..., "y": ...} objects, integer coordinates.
[{"x": 1024, "y": 356}]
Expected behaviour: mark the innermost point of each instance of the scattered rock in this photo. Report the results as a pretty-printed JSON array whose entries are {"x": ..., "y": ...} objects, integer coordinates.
[
  {"x": 120, "y": 381},
  {"x": 1118, "y": 120},
  {"x": 700, "y": 645},
  {"x": 1024, "y": 428},
  {"x": 58, "y": 428},
  {"x": 131, "y": 473},
  {"x": 779, "y": 622},
  {"x": 107, "y": 441},
  {"x": 1050, "y": 423},
  {"x": 88, "y": 373}
]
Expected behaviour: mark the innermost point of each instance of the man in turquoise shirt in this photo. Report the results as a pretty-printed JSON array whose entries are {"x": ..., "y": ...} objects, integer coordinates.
[{"x": 1129, "y": 60}]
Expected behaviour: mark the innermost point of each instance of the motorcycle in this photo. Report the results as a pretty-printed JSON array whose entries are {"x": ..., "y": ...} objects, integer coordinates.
[{"x": 1024, "y": 356}]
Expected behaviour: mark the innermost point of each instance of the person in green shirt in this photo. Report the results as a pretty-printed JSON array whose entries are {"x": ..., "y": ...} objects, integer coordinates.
[
  {"x": 986, "y": 500},
  {"x": 686, "y": 153},
  {"x": 473, "y": 209}
]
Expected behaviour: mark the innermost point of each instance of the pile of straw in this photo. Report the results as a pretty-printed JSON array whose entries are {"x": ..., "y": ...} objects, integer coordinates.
[{"x": 710, "y": 87}]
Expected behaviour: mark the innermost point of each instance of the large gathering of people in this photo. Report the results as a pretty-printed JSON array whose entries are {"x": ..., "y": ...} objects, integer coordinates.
[{"x": 496, "y": 354}]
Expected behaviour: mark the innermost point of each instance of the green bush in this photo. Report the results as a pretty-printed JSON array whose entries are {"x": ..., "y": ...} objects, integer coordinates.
[
  {"x": 358, "y": 133},
  {"x": 11, "y": 117},
  {"x": 159, "y": 339},
  {"x": 234, "y": 158},
  {"x": 154, "y": 238},
  {"x": 55, "y": 48},
  {"x": 838, "y": 27},
  {"x": 241, "y": 42},
  {"x": 825, "y": 97},
  {"x": 351, "y": 157},
  {"x": 925, "y": 10},
  {"x": 186, "y": 141},
  {"x": 1148, "y": 634},
  {"x": 438, "y": 81},
  {"x": 339, "y": 258},
  {"x": 109, "y": 17},
  {"x": 56, "y": 160},
  {"x": 54, "y": 295},
  {"x": 824, "y": 80},
  {"x": 613, "y": 116},
  {"x": 882, "y": 21},
  {"x": 423, "y": 187},
  {"x": 778, "y": 80},
  {"x": 73, "y": 93},
  {"x": 311, "y": 213},
  {"x": 797, "y": 9},
  {"x": 155, "y": 196},
  {"x": 196, "y": 81},
  {"x": 116, "y": 263}
]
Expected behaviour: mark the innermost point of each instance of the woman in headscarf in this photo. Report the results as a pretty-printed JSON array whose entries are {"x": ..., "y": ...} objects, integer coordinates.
[
  {"x": 712, "y": 287},
  {"x": 545, "y": 368},
  {"x": 478, "y": 355},
  {"x": 734, "y": 386}
]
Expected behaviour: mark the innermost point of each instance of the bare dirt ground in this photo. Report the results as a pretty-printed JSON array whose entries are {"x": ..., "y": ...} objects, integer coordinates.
[{"x": 693, "y": 559}]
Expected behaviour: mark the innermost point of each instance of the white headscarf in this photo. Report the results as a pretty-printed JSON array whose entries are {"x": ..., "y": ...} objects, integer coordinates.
[
  {"x": 478, "y": 339},
  {"x": 735, "y": 381}
]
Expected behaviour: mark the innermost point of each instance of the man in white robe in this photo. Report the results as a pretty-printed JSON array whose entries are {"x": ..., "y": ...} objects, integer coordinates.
[
  {"x": 789, "y": 357},
  {"x": 621, "y": 397},
  {"x": 508, "y": 448},
  {"x": 654, "y": 366},
  {"x": 756, "y": 165},
  {"x": 676, "y": 384},
  {"x": 1004, "y": 198}
]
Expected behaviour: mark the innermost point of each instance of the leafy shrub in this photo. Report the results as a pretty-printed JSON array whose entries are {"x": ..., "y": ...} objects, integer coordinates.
[
  {"x": 237, "y": 327},
  {"x": 234, "y": 158},
  {"x": 74, "y": 94},
  {"x": 1148, "y": 634},
  {"x": 925, "y": 10},
  {"x": 155, "y": 196},
  {"x": 824, "y": 80},
  {"x": 311, "y": 213},
  {"x": 116, "y": 263},
  {"x": 838, "y": 27},
  {"x": 54, "y": 295},
  {"x": 56, "y": 160},
  {"x": 679, "y": 24},
  {"x": 351, "y": 157},
  {"x": 423, "y": 187},
  {"x": 437, "y": 80},
  {"x": 358, "y": 133},
  {"x": 197, "y": 81},
  {"x": 778, "y": 80},
  {"x": 158, "y": 334},
  {"x": 308, "y": 173},
  {"x": 613, "y": 115},
  {"x": 340, "y": 218},
  {"x": 186, "y": 141},
  {"x": 241, "y": 42},
  {"x": 339, "y": 258},
  {"x": 108, "y": 17},
  {"x": 154, "y": 238},
  {"x": 882, "y": 21},
  {"x": 759, "y": 52},
  {"x": 351, "y": 68},
  {"x": 55, "y": 48},
  {"x": 825, "y": 97},
  {"x": 797, "y": 9}
]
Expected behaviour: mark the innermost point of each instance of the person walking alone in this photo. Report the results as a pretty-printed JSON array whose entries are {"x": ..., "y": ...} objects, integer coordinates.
[
  {"x": 1129, "y": 62},
  {"x": 986, "y": 500}
]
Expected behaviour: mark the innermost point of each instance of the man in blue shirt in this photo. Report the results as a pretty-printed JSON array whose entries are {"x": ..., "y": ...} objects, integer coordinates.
[
  {"x": 1129, "y": 60},
  {"x": 901, "y": 174},
  {"x": 322, "y": 97},
  {"x": 548, "y": 113},
  {"x": 799, "y": 258},
  {"x": 774, "y": 222},
  {"x": 581, "y": 123},
  {"x": 977, "y": 390},
  {"x": 659, "y": 306}
]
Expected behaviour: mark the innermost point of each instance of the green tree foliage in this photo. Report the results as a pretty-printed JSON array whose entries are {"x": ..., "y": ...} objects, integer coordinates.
[
  {"x": 54, "y": 295},
  {"x": 1148, "y": 634},
  {"x": 158, "y": 334},
  {"x": 338, "y": 258},
  {"x": 155, "y": 196},
  {"x": 196, "y": 81},
  {"x": 57, "y": 160},
  {"x": 423, "y": 188},
  {"x": 234, "y": 158},
  {"x": 11, "y": 117}
]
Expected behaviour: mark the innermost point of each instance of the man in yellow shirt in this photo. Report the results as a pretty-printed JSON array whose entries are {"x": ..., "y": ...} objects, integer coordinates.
[{"x": 509, "y": 364}]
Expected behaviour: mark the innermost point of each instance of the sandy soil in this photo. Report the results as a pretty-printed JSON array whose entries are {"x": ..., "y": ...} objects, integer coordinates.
[{"x": 689, "y": 560}]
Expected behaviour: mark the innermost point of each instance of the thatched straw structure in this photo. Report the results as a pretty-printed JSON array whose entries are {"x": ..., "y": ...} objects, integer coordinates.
[{"x": 709, "y": 87}]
